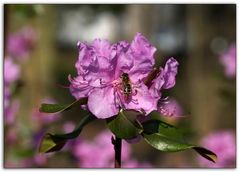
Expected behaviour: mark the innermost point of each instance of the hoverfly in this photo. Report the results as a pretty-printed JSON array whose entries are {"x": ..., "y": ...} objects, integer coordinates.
[{"x": 126, "y": 86}]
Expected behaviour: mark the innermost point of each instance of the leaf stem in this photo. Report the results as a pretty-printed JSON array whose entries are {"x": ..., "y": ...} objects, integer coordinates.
[{"x": 118, "y": 149}]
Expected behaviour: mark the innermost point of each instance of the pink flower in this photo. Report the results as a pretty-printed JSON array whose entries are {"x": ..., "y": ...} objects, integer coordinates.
[
  {"x": 11, "y": 71},
  {"x": 170, "y": 108},
  {"x": 40, "y": 159},
  {"x": 68, "y": 127},
  {"x": 224, "y": 145},
  {"x": 19, "y": 44},
  {"x": 113, "y": 76},
  {"x": 99, "y": 153},
  {"x": 11, "y": 74},
  {"x": 228, "y": 60}
]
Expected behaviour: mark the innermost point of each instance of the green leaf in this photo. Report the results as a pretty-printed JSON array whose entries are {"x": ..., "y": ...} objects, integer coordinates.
[
  {"x": 50, "y": 143},
  {"x": 55, "y": 142},
  {"x": 53, "y": 108},
  {"x": 167, "y": 138},
  {"x": 206, "y": 153},
  {"x": 156, "y": 126},
  {"x": 122, "y": 127}
]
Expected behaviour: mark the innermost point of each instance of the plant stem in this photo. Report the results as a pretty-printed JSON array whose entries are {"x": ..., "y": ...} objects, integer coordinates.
[{"x": 118, "y": 149}]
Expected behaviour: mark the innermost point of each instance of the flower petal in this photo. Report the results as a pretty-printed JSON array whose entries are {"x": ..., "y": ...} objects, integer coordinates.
[
  {"x": 86, "y": 58},
  {"x": 157, "y": 84},
  {"x": 142, "y": 53},
  {"x": 78, "y": 87},
  {"x": 101, "y": 102},
  {"x": 165, "y": 79},
  {"x": 169, "y": 73},
  {"x": 142, "y": 48},
  {"x": 124, "y": 64},
  {"x": 142, "y": 100},
  {"x": 95, "y": 61},
  {"x": 102, "y": 47}
]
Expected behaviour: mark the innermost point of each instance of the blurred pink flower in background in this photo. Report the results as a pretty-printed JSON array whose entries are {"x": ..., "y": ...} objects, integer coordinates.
[
  {"x": 20, "y": 43},
  {"x": 170, "y": 108},
  {"x": 228, "y": 60},
  {"x": 11, "y": 71},
  {"x": 11, "y": 74},
  {"x": 99, "y": 153},
  {"x": 39, "y": 159},
  {"x": 68, "y": 127},
  {"x": 224, "y": 145}
]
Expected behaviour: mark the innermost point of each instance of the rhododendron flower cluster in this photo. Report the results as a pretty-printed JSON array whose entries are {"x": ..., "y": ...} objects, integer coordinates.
[
  {"x": 228, "y": 60},
  {"x": 223, "y": 143},
  {"x": 99, "y": 153},
  {"x": 121, "y": 84},
  {"x": 112, "y": 76}
]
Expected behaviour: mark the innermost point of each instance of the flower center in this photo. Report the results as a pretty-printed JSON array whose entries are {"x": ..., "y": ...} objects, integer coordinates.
[{"x": 124, "y": 91}]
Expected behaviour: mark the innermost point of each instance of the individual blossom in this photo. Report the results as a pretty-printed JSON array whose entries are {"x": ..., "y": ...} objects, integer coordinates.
[
  {"x": 20, "y": 44},
  {"x": 114, "y": 75},
  {"x": 11, "y": 71},
  {"x": 223, "y": 143},
  {"x": 68, "y": 127},
  {"x": 39, "y": 160},
  {"x": 99, "y": 153},
  {"x": 228, "y": 60}
]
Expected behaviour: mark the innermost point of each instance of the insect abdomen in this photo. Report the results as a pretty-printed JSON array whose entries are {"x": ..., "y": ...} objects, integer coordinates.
[{"x": 127, "y": 89}]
